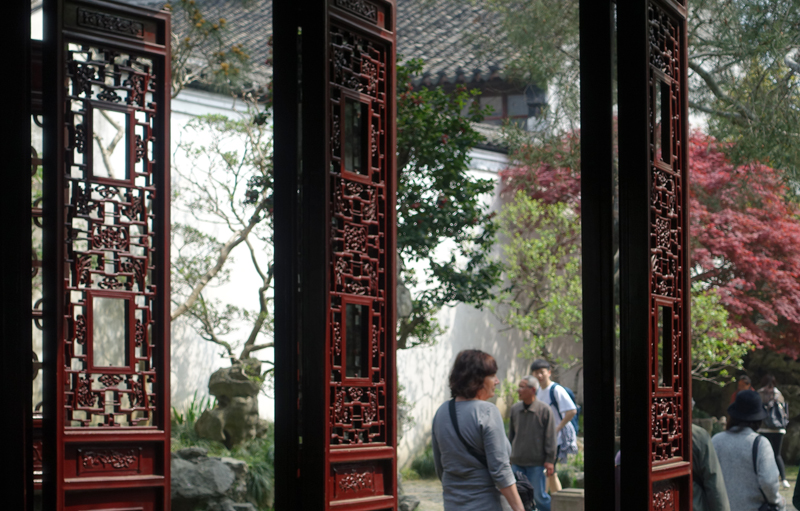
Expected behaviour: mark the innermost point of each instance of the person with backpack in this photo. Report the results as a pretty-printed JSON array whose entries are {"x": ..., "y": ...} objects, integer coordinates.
[
  {"x": 774, "y": 426},
  {"x": 562, "y": 405},
  {"x": 747, "y": 461}
]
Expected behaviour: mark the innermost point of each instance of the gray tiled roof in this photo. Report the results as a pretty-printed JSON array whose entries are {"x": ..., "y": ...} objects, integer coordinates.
[{"x": 441, "y": 32}]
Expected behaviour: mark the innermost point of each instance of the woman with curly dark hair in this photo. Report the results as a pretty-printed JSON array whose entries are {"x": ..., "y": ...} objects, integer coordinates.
[{"x": 474, "y": 469}]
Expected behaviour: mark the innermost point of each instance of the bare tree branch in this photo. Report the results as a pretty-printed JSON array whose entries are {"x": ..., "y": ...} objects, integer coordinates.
[
  {"x": 224, "y": 253},
  {"x": 719, "y": 93}
]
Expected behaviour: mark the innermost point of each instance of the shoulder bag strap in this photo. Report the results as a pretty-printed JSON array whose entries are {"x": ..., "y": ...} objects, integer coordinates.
[
  {"x": 477, "y": 454},
  {"x": 755, "y": 466},
  {"x": 554, "y": 401}
]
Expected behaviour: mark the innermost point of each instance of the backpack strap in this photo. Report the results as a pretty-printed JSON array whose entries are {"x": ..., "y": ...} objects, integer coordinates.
[
  {"x": 755, "y": 466},
  {"x": 473, "y": 451},
  {"x": 554, "y": 401}
]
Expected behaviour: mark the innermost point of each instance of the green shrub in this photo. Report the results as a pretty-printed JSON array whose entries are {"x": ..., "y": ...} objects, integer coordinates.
[
  {"x": 565, "y": 476},
  {"x": 423, "y": 464},
  {"x": 409, "y": 474}
]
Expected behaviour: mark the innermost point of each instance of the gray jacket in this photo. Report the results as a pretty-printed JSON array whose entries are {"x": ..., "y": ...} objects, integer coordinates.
[
  {"x": 532, "y": 434},
  {"x": 735, "y": 452},
  {"x": 708, "y": 490},
  {"x": 466, "y": 483}
]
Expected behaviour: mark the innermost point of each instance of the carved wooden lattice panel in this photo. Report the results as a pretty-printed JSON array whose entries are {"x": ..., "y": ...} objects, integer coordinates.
[
  {"x": 361, "y": 427},
  {"x": 358, "y": 240},
  {"x": 109, "y": 346},
  {"x": 110, "y": 277},
  {"x": 667, "y": 239}
]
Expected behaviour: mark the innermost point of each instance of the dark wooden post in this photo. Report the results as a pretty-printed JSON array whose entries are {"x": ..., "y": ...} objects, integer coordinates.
[
  {"x": 597, "y": 211},
  {"x": 335, "y": 255},
  {"x": 15, "y": 281}
]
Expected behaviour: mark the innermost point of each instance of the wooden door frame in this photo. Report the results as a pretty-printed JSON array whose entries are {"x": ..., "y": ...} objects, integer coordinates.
[{"x": 15, "y": 281}]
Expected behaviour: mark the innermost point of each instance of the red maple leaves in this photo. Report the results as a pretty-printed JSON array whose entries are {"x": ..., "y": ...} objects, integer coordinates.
[
  {"x": 745, "y": 236},
  {"x": 746, "y": 243}
]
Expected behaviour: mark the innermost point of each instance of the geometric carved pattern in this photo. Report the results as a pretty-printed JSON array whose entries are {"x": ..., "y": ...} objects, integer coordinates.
[
  {"x": 667, "y": 424},
  {"x": 362, "y": 8},
  {"x": 110, "y": 233},
  {"x": 358, "y": 240},
  {"x": 667, "y": 239}
]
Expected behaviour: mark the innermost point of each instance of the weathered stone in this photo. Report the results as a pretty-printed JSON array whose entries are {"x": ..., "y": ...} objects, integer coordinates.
[
  {"x": 571, "y": 499},
  {"x": 211, "y": 425},
  {"x": 239, "y": 487},
  {"x": 235, "y": 418},
  {"x": 407, "y": 503},
  {"x": 209, "y": 478},
  {"x": 192, "y": 453},
  {"x": 202, "y": 483},
  {"x": 232, "y": 381}
]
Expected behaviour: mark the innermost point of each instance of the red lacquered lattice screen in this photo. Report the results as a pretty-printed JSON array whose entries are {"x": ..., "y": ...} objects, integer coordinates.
[
  {"x": 361, "y": 428},
  {"x": 670, "y": 397},
  {"x": 111, "y": 275}
]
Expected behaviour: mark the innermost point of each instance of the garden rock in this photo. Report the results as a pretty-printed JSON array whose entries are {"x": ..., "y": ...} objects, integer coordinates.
[
  {"x": 235, "y": 418},
  {"x": 203, "y": 483},
  {"x": 407, "y": 503}
]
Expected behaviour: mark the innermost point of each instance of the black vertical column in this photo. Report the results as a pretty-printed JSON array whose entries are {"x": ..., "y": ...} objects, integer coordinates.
[
  {"x": 286, "y": 40},
  {"x": 301, "y": 255},
  {"x": 314, "y": 250},
  {"x": 15, "y": 279},
  {"x": 597, "y": 196},
  {"x": 634, "y": 194}
]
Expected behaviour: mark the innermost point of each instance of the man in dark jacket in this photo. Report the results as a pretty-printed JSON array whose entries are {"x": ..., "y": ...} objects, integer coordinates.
[{"x": 533, "y": 440}]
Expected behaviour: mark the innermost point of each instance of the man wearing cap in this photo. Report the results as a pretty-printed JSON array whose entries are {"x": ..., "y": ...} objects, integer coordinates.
[
  {"x": 562, "y": 406},
  {"x": 747, "y": 461},
  {"x": 532, "y": 433}
]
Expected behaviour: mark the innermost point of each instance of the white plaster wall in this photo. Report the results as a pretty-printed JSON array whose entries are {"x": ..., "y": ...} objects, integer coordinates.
[
  {"x": 194, "y": 359},
  {"x": 423, "y": 371}
]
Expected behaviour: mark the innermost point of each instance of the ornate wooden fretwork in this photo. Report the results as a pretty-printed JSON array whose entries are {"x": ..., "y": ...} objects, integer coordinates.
[
  {"x": 358, "y": 241},
  {"x": 667, "y": 239},
  {"x": 363, "y": 8},
  {"x": 111, "y": 229},
  {"x": 109, "y": 23}
]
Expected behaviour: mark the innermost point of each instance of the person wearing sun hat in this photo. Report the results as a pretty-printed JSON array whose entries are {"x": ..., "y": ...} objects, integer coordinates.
[{"x": 748, "y": 489}]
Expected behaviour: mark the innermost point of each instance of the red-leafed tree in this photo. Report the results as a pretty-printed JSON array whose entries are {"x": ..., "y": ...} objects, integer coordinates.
[
  {"x": 746, "y": 244},
  {"x": 745, "y": 233}
]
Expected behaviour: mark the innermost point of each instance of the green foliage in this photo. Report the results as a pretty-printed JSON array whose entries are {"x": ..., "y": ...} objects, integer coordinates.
[
  {"x": 200, "y": 54},
  {"x": 409, "y": 474},
  {"x": 543, "y": 271},
  {"x": 404, "y": 418},
  {"x": 440, "y": 205},
  {"x": 424, "y": 465},
  {"x": 717, "y": 348},
  {"x": 508, "y": 392},
  {"x": 259, "y": 453},
  {"x": 744, "y": 61},
  {"x": 744, "y": 68}
]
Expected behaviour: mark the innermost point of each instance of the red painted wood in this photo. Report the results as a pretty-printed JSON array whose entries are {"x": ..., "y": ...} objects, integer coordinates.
[
  {"x": 110, "y": 418},
  {"x": 670, "y": 368},
  {"x": 362, "y": 427}
]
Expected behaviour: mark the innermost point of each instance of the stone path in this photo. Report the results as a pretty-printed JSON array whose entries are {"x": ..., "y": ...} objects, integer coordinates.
[
  {"x": 788, "y": 492},
  {"x": 429, "y": 492}
]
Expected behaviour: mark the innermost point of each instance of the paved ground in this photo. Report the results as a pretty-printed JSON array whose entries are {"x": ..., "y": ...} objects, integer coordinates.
[
  {"x": 791, "y": 476},
  {"x": 429, "y": 491}
]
